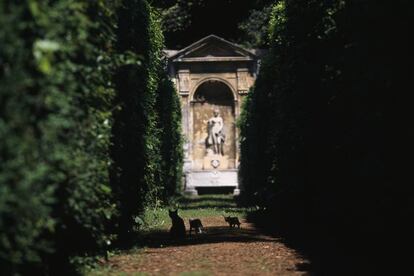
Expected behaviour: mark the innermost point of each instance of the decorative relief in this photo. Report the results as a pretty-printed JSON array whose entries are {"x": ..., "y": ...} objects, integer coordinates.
[
  {"x": 242, "y": 80},
  {"x": 184, "y": 81},
  {"x": 215, "y": 163}
]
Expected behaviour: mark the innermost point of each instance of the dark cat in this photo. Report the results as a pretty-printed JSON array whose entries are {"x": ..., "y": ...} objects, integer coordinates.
[
  {"x": 232, "y": 221},
  {"x": 178, "y": 228},
  {"x": 196, "y": 225}
]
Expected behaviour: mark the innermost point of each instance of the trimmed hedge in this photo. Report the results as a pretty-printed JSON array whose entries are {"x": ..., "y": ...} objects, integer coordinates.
[
  {"x": 79, "y": 129},
  {"x": 169, "y": 110},
  {"x": 147, "y": 166},
  {"x": 55, "y": 199},
  {"x": 323, "y": 121}
]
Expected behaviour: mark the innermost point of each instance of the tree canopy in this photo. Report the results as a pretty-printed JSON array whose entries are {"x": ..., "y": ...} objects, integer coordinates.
[{"x": 235, "y": 20}]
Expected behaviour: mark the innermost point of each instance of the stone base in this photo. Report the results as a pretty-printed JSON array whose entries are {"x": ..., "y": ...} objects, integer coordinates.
[
  {"x": 191, "y": 191},
  {"x": 236, "y": 192},
  {"x": 212, "y": 178}
]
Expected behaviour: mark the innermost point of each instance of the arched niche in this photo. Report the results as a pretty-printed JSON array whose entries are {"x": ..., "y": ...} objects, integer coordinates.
[{"x": 210, "y": 96}]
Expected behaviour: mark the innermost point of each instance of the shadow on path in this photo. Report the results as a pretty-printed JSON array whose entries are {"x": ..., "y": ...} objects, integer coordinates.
[
  {"x": 330, "y": 255},
  {"x": 213, "y": 234}
]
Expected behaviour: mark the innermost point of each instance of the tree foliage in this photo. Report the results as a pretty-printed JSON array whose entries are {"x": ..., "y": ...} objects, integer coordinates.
[
  {"x": 255, "y": 29},
  {"x": 186, "y": 21}
]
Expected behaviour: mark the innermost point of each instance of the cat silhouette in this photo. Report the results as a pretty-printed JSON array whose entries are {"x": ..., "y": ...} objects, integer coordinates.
[
  {"x": 232, "y": 221},
  {"x": 177, "y": 229},
  {"x": 196, "y": 225}
]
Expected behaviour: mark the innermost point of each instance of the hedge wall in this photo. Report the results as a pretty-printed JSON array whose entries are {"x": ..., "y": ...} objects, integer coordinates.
[
  {"x": 79, "y": 129},
  {"x": 55, "y": 105},
  {"x": 147, "y": 166},
  {"x": 325, "y": 120}
]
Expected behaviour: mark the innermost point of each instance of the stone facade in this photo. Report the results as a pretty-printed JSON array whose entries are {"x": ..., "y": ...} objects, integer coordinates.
[{"x": 212, "y": 76}]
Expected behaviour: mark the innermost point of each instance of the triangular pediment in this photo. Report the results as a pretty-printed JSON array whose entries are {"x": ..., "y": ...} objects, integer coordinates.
[
  {"x": 214, "y": 50},
  {"x": 211, "y": 48}
]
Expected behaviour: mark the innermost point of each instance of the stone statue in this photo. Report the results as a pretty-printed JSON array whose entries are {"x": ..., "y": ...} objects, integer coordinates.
[{"x": 215, "y": 136}]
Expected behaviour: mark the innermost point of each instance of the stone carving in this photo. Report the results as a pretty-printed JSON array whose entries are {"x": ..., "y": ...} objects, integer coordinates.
[
  {"x": 215, "y": 163},
  {"x": 242, "y": 83},
  {"x": 215, "y": 137},
  {"x": 184, "y": 81}
]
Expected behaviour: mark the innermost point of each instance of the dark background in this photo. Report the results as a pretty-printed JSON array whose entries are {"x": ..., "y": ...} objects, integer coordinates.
[{"x": 195, "y": 19}]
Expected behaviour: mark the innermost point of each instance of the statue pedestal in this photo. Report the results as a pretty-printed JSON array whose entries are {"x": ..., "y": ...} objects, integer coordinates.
[
  {"x": 191, "y": 191},
  {"x": 211, "y": 178}
]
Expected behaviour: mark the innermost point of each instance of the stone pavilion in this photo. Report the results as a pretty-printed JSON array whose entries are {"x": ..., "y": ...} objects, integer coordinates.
[{"x": 212, "y": 76}]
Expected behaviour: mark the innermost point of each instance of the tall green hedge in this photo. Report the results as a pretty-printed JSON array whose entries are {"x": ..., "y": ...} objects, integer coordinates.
[
  {"x": 79, "y": 128},
  {"x": 25, "y": 197},
  {"x": 146, "y": 165},
  {"x": 169, "y": 110},
  {"x": 324, "y": 121},
  {"x": 134, "y": 119},
  {"x": 55, "y": 97}
]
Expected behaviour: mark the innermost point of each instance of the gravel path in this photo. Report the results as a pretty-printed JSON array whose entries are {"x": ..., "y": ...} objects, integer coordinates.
[{"x": 219, "y": 251}]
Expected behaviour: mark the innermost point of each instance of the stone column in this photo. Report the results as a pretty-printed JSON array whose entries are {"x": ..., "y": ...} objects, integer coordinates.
[
  {"x": 184, "y": 81},
  {"x": 183, "y": 87},
  {"x": 242, "y": 80},
  {"x": 243, "y": 86}
]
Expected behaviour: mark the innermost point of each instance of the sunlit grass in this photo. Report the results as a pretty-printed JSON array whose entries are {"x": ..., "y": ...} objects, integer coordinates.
[{"x": 191, "y": 207}]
